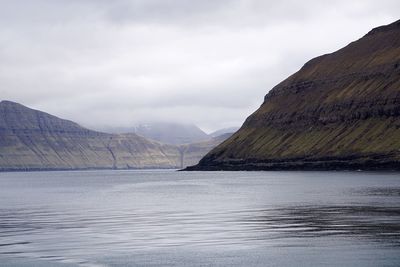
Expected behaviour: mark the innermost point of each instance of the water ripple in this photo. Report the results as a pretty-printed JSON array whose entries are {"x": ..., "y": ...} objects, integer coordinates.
[{"x": 86, "y": 223}]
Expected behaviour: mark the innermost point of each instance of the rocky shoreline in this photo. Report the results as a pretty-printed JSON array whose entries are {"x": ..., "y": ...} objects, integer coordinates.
[{"x": 299, "y": 165}]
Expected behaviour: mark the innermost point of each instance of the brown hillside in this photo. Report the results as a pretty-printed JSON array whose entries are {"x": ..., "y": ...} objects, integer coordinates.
[{"x": 339, "y": 111}]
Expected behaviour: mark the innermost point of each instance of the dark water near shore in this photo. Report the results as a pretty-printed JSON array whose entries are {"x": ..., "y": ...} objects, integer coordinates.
[{"x": 168, "y": 218}]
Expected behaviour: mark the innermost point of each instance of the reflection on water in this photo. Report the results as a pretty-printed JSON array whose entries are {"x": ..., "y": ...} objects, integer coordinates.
[
  {"x": 385, "y": 191},
  {"x": 20, "y": 228},
  {"x": 380, "y": 224},
  {"x": 133, "y": 212}
]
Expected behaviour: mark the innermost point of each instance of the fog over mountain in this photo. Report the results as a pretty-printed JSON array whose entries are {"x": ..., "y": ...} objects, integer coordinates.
[
  {"x": 114, "y": 63},
  {"x": 224, "y": 131},
  {"x": 171, "y": 133}
]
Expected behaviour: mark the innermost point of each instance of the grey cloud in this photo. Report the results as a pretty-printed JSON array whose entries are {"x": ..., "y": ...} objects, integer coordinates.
[{"x": 116, "y": 62}]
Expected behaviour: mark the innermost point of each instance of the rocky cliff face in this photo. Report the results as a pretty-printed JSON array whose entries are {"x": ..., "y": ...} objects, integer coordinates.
[
  {"x": 34, "y": 140},
  {"x": 339, "y": 111}
]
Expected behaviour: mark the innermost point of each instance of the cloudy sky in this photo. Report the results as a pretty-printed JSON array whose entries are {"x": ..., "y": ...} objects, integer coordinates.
[{"x": 209, "y": 62}]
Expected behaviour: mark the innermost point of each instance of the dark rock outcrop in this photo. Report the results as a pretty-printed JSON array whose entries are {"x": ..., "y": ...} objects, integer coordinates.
[{"x": 339, "y": 111}]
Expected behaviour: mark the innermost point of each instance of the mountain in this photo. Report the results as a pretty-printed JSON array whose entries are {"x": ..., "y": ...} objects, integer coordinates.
[
  {"x": 192, "y": 153},
  {"x": 113, "y": 129},
  {"x": 339, "y": 111},
  {"x": 223, "y": 131},
  {"x": 34, "y": 140},
  {"x": 171, "y": 133}
]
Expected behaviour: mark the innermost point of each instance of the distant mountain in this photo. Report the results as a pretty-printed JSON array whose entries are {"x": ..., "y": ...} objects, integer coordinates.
[
  {"x": 224, "y": 131},
  {"x": 339, "y": 111},
  {"x": 114, "y": 130},
  {"x": 34, "y": 140},
  {"x": 192, "y": 153},
  {"x": 171, "y": 133}
]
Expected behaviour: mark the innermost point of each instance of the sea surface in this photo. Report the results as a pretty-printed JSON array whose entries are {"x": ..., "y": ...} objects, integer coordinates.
[{"x": 170, "y": 218}]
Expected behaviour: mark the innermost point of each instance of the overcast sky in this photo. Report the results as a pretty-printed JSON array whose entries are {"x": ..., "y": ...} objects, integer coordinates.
[{"x": 210, "y": 62}]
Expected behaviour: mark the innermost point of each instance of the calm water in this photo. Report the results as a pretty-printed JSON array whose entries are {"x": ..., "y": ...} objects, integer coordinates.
[{"x": 168, "y": 218}]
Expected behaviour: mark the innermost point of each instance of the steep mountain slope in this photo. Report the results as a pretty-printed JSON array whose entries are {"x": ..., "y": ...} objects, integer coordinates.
[
  {"x": 339, "y": 111},
  {"x": 171, "y": 133},
  {"x": 34, "y": 140}
]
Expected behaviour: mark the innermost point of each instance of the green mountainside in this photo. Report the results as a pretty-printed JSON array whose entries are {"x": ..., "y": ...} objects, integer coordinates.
[{"x": 339, "y": 111}]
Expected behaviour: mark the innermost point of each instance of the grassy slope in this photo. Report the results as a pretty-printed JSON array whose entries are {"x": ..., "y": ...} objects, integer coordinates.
[{"x": 342, "y": 106}]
